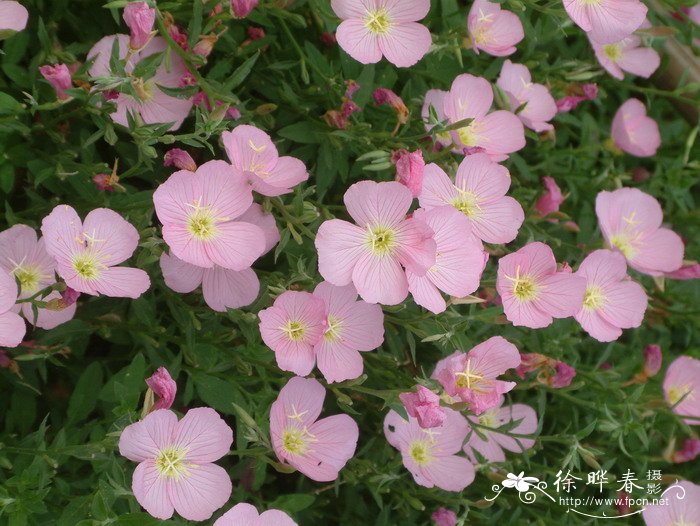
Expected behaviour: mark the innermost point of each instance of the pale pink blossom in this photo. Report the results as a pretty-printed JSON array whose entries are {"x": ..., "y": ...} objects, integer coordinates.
[
  {"x": 460, "y": 259},
  {"x": 473, "y": 377},
  {"x": 410, "y": 167},
  {"x": 612, "y": 301},
  {"x": 532, "y": 290},
  {"x": 493, "y": 30},
  {"x": 630, "y": 221},
  {"x": 222, "y": 288},
  {"x": 176, "y": 470},
  {"x": 682, "y": 388},
  {"x": 686, "y": 272},
  {"x": 372, "y": 29},
  {"x": 689, "y": 452},
  {"x": 25, "y": 258},
  {"x": 487, "y": 441},
  {"x": 59, "y": 77},
  {"x": 139, "y": 19},
  {"x": 351, "y": 326},
  {"x": 152, "y": 104},
  {"x": 627, "y": 55},
  {"x": 552, "y": 198},
  {"x": 252, "y": 152},
  {"x": 607, "y": 21},
  {"x": 444, "y": 517},
  {"x": 201, "y": 216},
  {"x": 242, "y": 8},
  {"x": 652, "y": 360},
  {"x": 294, "y": 324},
  {"x": 87, "y": 253},
  {"x": 317, "y": 448},
  {"x": 164, "y": 387},
  {"x": 244, "y": 514},
  {"x": 180, "y": 159},
  {"x": 13, "y": 18},
  {"x": 538, "y": 104},
  {"x": 430, "y": 455},
  {"x": 372, "y": 253},
  {"x": 424, "y": 406},
  {"x": 499, "y": 133},
  {"x": 633, "y": 132},
  {"x": 680, "y": 506},
  {"x": 479, "y": 192},
  {"x": 12, "y": 328}
]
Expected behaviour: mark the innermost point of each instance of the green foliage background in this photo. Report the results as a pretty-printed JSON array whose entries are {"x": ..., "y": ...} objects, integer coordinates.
[{"x": 60, "y": 417}]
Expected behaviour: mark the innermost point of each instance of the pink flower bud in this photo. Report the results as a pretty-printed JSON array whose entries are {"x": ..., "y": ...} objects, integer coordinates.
[
  {"x": 205, "y": 46},
  {"x": 103, "y": 182},
  {"x": 140, "y": 19},
  {"x": 59, "y": 77},
  {"x": 164, "y": 387},
  {"x": 572, "y": 226},
  {"x": 622, "y": 503},
  {"x": 424, "y": 405},
  {"x": 652, "y": 360},
  {"x": 255, "y": 33},
  {"x": 691, "y": 271},
  {"x": 233, "y": 113},
  {"x": 444, "y": 517},
  {"x": 640, "y": 174},
  {"x": 348, "y": 108},
  {"x": 552, "y": 198},
  {"x": 69, "y": 296},
  {"x": 178, "y": 35},
  {"x": 690, "y": 451},
  {"x": 328, "y": 39},
  {"x": 590, "y": 91},
  {"x": 386, "y": 96},
  {"x": 351, "y": 87},
  {"x": 242, "y": 8},
  {"x": 564, "y": 374},
  {"x": 335, "y": 119},
  {"x": 180, "y": 159},
  {"x": 5, "y": 360},
  {"x": 409, "y": 169},
  {"x": 530, "y": 362}
]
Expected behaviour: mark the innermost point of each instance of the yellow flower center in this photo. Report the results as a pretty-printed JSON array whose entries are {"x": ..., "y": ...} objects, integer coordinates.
[
  {"x": 29, "y": 278},
  {"x": 378, "y": 21},
  {"x": 469, "y": 379},
  {"x": 467, "y": 203},
  {"x": 144, "y": 90},
  {"x": 482, "y": 35},
  {"x": 296, "y": 440},
  {"x": 612, "y": 51},
  {"x": 488, "y": 419},
  {"x": 677, "y": 392},
  {"x": 170, "y": 462},
  {"x": 594, "y": 298},
  {"x": 682, "y": 522},
  {"x": 295, "y": 330},
  {"x": 420, "y": 452},
  {"x": 525, "y": 288},
  {"x": 202, "y": 224},
  {"x": 332, "y": 333},
  {"x": 87, "y": 265},
  {"x": 624, "y": 245},
  {"x": 381, "y": 240},
  {"x": 468, "y": 136}
]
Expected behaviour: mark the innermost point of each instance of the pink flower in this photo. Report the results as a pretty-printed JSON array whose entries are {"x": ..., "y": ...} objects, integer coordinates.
[
  {"x": 689, "y": 271},
  {"x": 252, "y": 152},
  {"x": 493, "y": 30},
  {"x": 25, "y": 258},
  {"x": 532, "y": 290},
  {"x": 13, "y": 18},
  {"x": 246, "y": 515},
  {"x": 140, "y": 19},
  {"x": 612, "y": 301},
  {"x": 551, "y": 200},
  {"x": 633, "y": 132},
  {"x": 499, "y": 133},
  {"x": 444, "y": 517},
  {"x": 627, "y": 55},
  {"x": 539, "y": 105},
  {"x": 201, "y": 216},
  {"x": 682, "y": 388},
  {"x": 180, "y": 159},
  {"x": 371, "y": 253},
  {"x": 152, "y": 104},
  {"x": 164, "y": 387},
  {"x": 383, "y": 27},
  {"x": 409, "y": 169},
  {"x": 12, "y": 328},
  {"x": 680, "y": 506},
  {"x": 242, "y": 8},
  {"x": 607, "y": 21},
  {"x": 630, "y": 221},
  {"x": 317, "y": 448},
  {"x": 485, "y": 440},
  {"x": 424, "y": 406},
  {"x": 479, "y": 192},
  {"x": 689, "y": 452},
  {"x": 222, "y": 288},
  {"x": 652, "y": 360},
  {"x": 292, "y": 327},
  {"x": 472, "y": 377},
  {"x": 431, "y": 454},
  {"x": 176, "y": 470},
  {"x": 460, "y": 259},
  {"x": 351, "y": 326},
  {"x": 59, "y": 77},
  {"x": 383, "y": 96},
  {"x": 87, "y": 252}
]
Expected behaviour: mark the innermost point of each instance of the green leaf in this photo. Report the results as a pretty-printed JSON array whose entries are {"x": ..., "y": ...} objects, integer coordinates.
[
  {"x": 241, "y": 72},
  {"x": 84, "y": 399}
]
